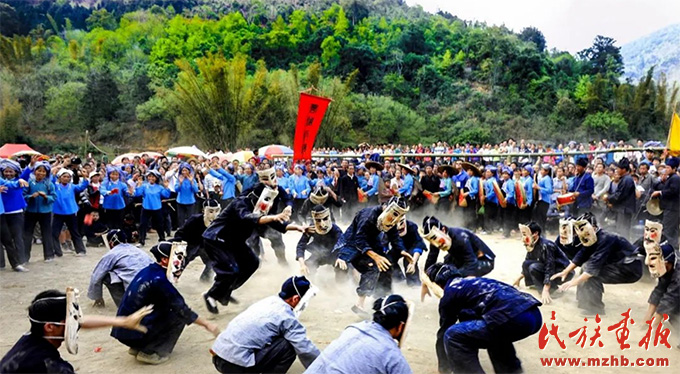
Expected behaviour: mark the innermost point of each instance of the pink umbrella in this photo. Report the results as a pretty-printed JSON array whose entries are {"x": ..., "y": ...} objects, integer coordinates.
[
  {"x": 274, "y": 150},
  {"x": 119, "y": 160}
]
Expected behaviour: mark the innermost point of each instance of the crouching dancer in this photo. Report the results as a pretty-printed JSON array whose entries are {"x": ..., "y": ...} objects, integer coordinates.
[
  {"x": 267, "y": 336},
  {"x": 481, "y": 313},
  {"x": 152, "y": 287},
  {"x": 320, "y": 243},
  {"x": 542, "y": 261},
  {"x": 369, "y": 346},
  {"x": 361, "y": 245}
]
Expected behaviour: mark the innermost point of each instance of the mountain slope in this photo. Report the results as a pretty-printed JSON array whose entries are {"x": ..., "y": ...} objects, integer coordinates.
[{"x": 660, "y": 49}]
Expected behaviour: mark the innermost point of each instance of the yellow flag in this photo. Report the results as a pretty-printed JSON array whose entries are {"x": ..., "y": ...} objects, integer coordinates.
[{"x": 674, "y": 136}]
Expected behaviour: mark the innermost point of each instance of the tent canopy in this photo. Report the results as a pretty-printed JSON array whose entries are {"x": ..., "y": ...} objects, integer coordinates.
[{"x": 7, "y": 150}]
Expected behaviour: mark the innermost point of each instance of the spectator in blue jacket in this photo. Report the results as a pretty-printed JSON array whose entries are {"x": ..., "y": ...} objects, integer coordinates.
[
  {"x": 65, "y": 210},
  {"x": 114, "y": 191},
  {"x": 228, "y": 183},
  {"x": 12, "y": 234},
  {"x": 151, "y": 192},
  {"x": 40, "y": 196},
  {"x": 248, "y": 179},
  {"x": 299, "y": 190},
  {"x": 584, "y": 187},
  {"x": 186, "y": 188}
]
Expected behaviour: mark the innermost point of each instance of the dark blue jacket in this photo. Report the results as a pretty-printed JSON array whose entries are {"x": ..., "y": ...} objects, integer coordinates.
[
  {"x": 237, "y": 222},
  {"x": 363, "y": 235},
  {"x": 550, "y": 255},
  {"x": 569, "y": 249},
  {"x": 585, "y": 186},
  {"x": 152, "y": 287},
  {"x": 412, "y": 240},
  {"x": 316, "y": 243},
  {"x": 481, "y": 298},
  {"x": 609, "y": 249},
  {"x": 670, "y": 194},
  {"x": 623, "y": 199},
  {"x": 34, "y": 354},
  {"x": 466, "y": 249}
]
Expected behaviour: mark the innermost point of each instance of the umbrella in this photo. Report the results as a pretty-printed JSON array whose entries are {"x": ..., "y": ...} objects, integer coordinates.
[
  {"x": 270, "y": 151},
  {"x": 185, "y": 152},
  {"x": 242, "y": 156},
  {"x": 31, "y": 153},
  {"x": 221, "y": 156},
  {"x": 151, "y": 154},
  {"x": 119, "y": 159},
  {"x": 9, "y": 150}
]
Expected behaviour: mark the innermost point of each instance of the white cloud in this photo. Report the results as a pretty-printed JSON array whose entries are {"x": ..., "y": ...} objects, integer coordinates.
[{"x": 567, "y": 24}]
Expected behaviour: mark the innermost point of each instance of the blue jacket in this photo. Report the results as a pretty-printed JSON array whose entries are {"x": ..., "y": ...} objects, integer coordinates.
[
  {"x": 321, "y": 246},
  {"x": 13, "y": 198},
  {"x": 372, "y": 185},
  {"x": 300, "y": 186},
  {"x": 65, "y": 204},
  {"x": 114, "y": 201},
  {"x": 528, "y": 184},
  {"x": 228, "y": 182},
  {"x": 609, "y": 249},
  {"x": 363, "y": 182},
  {"x": 152, "y": 287},
  {"x": 448, "y": 188},
  {"x": 152, "y": 195},
  {"x": 284, "y": 182},
  {"x": 489, "y": 192},
  {"x": 413, "y": 242},
  {"x": 247, "y": 181},
  {"x": 40, "y": 204},
  {"x": 473, "y": 188},
  {"x": 406, "y": 189},
  {"x": 460, "y": 180},
  {"x": 186, "y": 191},
  {"x": 585, "y": 186},
  {"x": 545, "y": 185},
  {"x": 550, "y": 255},
  {"x": 363, "y": 235},
  {"x": 509, "y": 189}
]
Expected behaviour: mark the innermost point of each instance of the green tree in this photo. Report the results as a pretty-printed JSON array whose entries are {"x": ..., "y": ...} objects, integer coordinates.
[
  {"x": 533, "y": 35},
  {"x": 606, "y": 124},
  {"x": 64, "y": 106},
  {"x": 101, "y": 18},
  {"x": 101, "y": 98}
]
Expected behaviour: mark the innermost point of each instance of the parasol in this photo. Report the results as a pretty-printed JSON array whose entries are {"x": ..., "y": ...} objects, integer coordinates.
[
  {"x": 119, "y": 159},
  {"x": 242, "y": 156},
  {"x": 185, "y": 152},
  {"x": 270, "y": 151}
]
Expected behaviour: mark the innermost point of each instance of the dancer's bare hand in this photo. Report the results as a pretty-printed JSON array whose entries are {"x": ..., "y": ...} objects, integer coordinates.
[
  {"x": 212, "y": 328},
  {"x": 561, "y": 274},
  {"x": 382, "y": 263},
  {"x": 134, "y": 320},
  {"x": 341, "y": 264},
  {"x": 304, "y": 270},
  {"x": 545, "y": 297}
]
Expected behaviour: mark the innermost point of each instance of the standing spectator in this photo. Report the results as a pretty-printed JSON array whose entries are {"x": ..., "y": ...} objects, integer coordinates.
[
  {"x": 623, "y": 199},
  {"x": 347, "y": 189},
  {"x": 670, "y": 202},
  {"x": 601, "y": 183},
  {"x": 583, "y": 186},
  {"x": 544, "y": 187},
  {"x": 66, "y": 209},
  {"x": 186, "y": 188},
  {"x": 40, "y": 196},
  {"x": 152, "y": 193},
  {"x": 114, "y": 191},
  {"x": 13, "y": 204}
]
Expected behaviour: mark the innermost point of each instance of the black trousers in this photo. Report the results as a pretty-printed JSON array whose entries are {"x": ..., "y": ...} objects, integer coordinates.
[
  {"x": 277, "y": 357},
  {"x": 509, "y": 217},
  {"x": 490, "y": 216},
  {"x": 373, "y": 281},
  {"x": 45, "y": 221},
  {"x": 534, "y": 274},
  {"x": 623, "y": 221},
  {"x": 462, "y": 341},
  {"x": 540, "y": 214},
  {"x": 589, "y": 293},
  {"x": 671, "y": 221},
  {"x": 161, "y": 339},
  {"x": 114, "y": 218},
  {"x": 233, "y": 264},
  {"x": 117, "y": 290},
  {"x": 156, "y": 217},
  {"x": 12, "y": 238},
  {"x": 275, "y": 239},
  {"x": 58, "y": 221},
  {"x": 184, "y": 211},
  {"x": 194, "y": 251}
]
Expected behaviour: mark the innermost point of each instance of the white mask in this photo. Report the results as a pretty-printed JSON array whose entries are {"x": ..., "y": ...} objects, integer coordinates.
[
  {"x": 265, "y": 201},
  {"x": 586, "y": 233},
  {"x": 390, "y": 216},
  {"x": 177, "y": 261},
  {"x": 527, "y": 237},
  {"x": 438, "y": 238},
  {"x": 209, "y": 214},
  {"x": 268, "y": 177},
  {"x": 319, "y": 199},
  {"x": 566, "y": 231},
  {"x": 73, "y": 318},
  {"x": 322, "y": 221},
  {"x": 654, "y": 258},
  {"x": 402, "y": 227}
]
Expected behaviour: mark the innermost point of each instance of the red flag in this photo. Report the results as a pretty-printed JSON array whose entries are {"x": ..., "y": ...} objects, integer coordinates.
[{"x": 310, "y": 114}]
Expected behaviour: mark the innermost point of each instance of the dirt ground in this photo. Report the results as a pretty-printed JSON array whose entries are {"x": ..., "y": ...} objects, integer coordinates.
[{"x": 327, "y": 315}]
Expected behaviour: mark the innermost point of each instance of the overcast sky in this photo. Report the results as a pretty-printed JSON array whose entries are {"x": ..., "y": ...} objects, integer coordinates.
[{"x": 569, "y": 25}]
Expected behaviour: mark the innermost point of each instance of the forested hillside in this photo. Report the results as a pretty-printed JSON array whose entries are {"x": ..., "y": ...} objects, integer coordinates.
[{"x": 146, "y": 73}]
